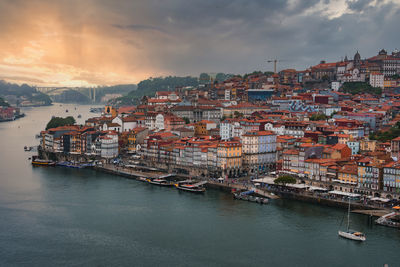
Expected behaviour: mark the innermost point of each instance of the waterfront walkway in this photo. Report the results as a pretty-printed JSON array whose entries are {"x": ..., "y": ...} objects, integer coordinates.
[{"x": 272, "y": 192}]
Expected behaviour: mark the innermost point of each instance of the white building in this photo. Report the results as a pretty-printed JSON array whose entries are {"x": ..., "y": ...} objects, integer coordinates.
[
  {"x": 159, "y": 123},
  {"x": 259, "y": 151},
  {"x": 230, "y": 128},
  {"x": 376, "y": 79},
  {"x": 109, "y": 145},
  {"x": 335, "y": 86}
]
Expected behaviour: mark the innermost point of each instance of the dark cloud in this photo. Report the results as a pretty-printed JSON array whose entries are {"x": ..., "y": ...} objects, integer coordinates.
[{"x": 138, "y": 39}]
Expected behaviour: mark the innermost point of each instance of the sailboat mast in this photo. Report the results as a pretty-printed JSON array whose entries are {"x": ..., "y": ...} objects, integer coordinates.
[{"x": 348, "y": 217}]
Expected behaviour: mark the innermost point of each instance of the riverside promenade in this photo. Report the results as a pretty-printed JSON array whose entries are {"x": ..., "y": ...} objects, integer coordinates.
[{"x": 212, "y": 183}]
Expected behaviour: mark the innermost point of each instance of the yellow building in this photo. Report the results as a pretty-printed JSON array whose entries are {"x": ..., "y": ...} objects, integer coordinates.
[
  {"x": 367, "y": 145},
  {"x": 348, "y": 174},
  {"x": 109, "y": 110},
  {"x": 230, "y": 157}
]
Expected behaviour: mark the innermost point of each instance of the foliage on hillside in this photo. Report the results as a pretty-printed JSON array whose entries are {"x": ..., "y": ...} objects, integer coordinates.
[
  {"x": 150, "y": 86},
  {"x": 24, "y": 90},
  {"x": 59, "y": 121},
  {"x": 3, "y": 103},
  {"x": 384, "y": 136},
  {"x": 122, "y": 89},
  {"x": 360, "y": 88}
]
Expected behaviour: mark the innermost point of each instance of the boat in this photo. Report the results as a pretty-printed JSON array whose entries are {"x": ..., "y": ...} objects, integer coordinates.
[
  {"x": 66, "y": 110},
  {"x": 190, "y": 187},
  {"x": 161, "y": 182},
  {"x": 74, "y": 165},
  {"x": 143, "y": 179},
  {"x": 79, "y": 116},
  {"x": 42, "y": 162},
  {"x": 247, "y": 197},
  {"x": 351, "y": 234},
  {"x": 96, "y": 110},
  {"x": 27, "y": 148},
  {"x": 387, "y": 220}
]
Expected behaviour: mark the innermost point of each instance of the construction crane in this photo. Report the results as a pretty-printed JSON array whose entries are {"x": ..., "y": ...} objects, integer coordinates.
[{"x": 274, "y": 61}]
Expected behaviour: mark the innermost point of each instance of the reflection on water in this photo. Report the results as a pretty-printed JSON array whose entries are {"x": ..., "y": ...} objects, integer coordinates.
[{"x": 58, "y": 216}]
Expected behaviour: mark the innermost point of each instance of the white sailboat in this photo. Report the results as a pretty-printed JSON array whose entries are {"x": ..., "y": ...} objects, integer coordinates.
[{"x": 351, "y": 234}]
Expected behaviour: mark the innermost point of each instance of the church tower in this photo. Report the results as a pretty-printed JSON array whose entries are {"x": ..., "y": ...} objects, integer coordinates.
[{"x": 357, "y": 60}]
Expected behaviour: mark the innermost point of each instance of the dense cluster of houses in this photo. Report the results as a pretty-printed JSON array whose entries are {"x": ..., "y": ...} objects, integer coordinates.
[
  {"x": 8, "y": 113},
  {"x": 259, "y": 124}
]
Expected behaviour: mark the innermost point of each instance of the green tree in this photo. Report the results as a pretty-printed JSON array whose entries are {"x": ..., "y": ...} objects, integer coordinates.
[
  {"x": 318, "y": 117},
  {"x": 187, "y": 121},
  {"x": 285, "y": 179},
  {"x": 204, "y": 78},
  {"x": 360, "y": 88},
  {"x": 59, "y": 121},
  {"x": 237, "y": 114},
  {"x": 3, "y": 103}
]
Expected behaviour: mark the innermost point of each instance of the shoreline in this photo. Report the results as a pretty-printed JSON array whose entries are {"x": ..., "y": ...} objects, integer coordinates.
[{"x": 360, "y": 208}]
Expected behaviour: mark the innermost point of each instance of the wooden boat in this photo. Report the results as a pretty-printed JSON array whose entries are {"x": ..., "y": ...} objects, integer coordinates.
[
  {"x": 161, "y": 182},
  {"x": 42, "y": 162},
  {"x": 194, "y": 188}
]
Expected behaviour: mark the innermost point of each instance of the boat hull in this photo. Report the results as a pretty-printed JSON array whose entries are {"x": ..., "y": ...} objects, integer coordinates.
[
  {"x": 41, "y": 163},
  {"x": 159, "y": 183},
  {"x": 192, "y": 190},
  {"x": 351, "y": 236}
]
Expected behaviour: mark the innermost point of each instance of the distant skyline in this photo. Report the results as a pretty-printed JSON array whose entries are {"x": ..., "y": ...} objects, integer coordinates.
[{"x": 100, "y": 42}]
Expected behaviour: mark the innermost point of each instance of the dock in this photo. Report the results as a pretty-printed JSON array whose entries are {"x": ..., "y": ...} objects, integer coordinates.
[
  {"x": 230, "y": 186},
  {"x": 374, "y": 213}
]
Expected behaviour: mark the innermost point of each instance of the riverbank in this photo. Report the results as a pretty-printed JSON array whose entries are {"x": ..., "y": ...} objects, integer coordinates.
[{"x": 230, "y": 185}]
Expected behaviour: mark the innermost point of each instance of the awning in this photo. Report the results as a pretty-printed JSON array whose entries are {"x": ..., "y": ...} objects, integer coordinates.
[
  {"x": 316, "y": 188},
  {"x": 335, "y": 192},
  {"x": 396, "y": 207},
  {"x": 298, "y": 186},
  {"x": 265, "y": 180},
  {"x": 380, "y": 199}
]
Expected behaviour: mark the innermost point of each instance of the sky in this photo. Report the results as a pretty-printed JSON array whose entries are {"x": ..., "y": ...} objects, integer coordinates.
[{"x": 106, "y": 42}]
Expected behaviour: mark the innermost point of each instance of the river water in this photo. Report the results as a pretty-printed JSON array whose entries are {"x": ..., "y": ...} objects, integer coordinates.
[{"x": 57, "y": 216}]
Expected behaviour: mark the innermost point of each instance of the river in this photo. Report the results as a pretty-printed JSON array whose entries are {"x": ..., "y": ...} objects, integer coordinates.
[{"x": 57, "y": 216}]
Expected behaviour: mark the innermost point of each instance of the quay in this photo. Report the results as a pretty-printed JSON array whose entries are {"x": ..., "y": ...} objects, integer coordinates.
[
  {"x": 373, "y": 213},
  {"x": 133, "y": 174}
]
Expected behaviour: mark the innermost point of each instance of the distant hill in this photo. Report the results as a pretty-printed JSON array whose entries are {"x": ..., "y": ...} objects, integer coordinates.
[
  {"x": 23, "y": 94},
  {"x": 150, "y": 86}
]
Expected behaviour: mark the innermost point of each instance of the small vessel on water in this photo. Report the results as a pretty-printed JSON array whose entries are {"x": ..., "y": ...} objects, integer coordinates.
[
  {"x": 161, "y": 182},
  {"x": 79, "y": 116},
  {"x": 75, "y": 165},
  {"x": 248, "y": 197},
  {"x": 390, "y": 219},
  {"x": 351, "y": 234},
  {"x": 191, "y": 187},
  {"x": 96, "y": 110},
  {"x": 27, "y": 148},
  {"x": 66, "y": 110},
  {"x": 42, "y": 162},
  {"x": 142, "y": 179}
]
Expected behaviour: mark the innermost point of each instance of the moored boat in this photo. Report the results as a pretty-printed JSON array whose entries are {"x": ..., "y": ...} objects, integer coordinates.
[
  {"x": 161, "y": 182},
  {"x": 42, "y": 162},
  {"x": 353, "y": 235},
  {"x": 350, "y": 234},
  {"x": 190, "y": 187}
]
